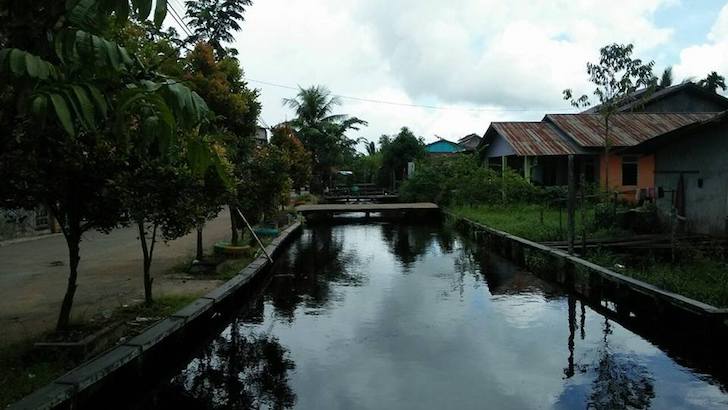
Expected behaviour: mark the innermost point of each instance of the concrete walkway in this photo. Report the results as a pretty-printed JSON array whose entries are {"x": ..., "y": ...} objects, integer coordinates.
[{"x": 34, "y": 274}]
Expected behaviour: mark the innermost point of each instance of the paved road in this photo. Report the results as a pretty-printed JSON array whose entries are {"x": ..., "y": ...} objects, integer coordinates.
[{"x": 33, "y": 276}]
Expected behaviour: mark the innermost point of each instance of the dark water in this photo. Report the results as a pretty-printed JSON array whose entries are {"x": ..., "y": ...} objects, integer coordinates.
[{"x": 385, "y": 316}]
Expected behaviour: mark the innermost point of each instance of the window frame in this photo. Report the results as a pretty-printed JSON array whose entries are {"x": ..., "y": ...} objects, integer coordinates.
[{"x": 631, "y": 160}]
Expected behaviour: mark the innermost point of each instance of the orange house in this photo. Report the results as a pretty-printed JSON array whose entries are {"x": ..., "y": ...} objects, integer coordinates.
[{"x": 632, "y": 177}]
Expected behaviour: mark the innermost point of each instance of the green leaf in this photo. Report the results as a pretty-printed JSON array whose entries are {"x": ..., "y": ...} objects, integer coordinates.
[
  {"x": 63, "y": 113},
  {"x": 99, "y": 99},
  {"x": 87, "y": 108},
  {"x": 160, "y": 12},
  {"x": 39, "y": 106},
  {"x": 17, "y": 62},
  {"x": 31, "y": 65},
  {"x": 143, "y": 7}
]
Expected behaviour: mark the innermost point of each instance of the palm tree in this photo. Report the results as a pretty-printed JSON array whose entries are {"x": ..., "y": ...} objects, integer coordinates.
[
  {"x": 666, "y": 79},
  {"x": 322, "y": 132},
  {"x": 712, "y": 82},
  {"x": 215, "y": 21}
]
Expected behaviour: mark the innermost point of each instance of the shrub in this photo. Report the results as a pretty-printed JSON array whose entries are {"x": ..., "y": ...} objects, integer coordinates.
[{"x": 461, "y": 180}]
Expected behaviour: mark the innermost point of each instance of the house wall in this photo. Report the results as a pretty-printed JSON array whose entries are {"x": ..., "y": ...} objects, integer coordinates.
[
  {"x": 683, "y": 102},
  {"x": 645, "y": 175},
  {"x": 499, "y": 148},
  {"x": 706, "y": 208}
]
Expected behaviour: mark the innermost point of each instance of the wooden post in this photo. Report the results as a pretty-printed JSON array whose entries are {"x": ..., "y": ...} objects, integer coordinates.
[
  {"x": 527, "y": 168},
  {"x": 504, "y": 164},
  {"x": 583, "y": 212},
  {"x": 571, "y": 205}
]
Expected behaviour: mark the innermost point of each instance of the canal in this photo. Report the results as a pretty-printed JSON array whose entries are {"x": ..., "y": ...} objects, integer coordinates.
[{"x": 385, "y": 316}]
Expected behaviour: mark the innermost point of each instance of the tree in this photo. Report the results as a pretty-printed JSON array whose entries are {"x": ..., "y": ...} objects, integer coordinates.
[
  {"x": 712, "y": 82},
  {"x": 322, "y": 132},
  {"x": 214, "y": 21},
  {"x": 297, "y": 158},
  {"x": 71, "y": 100},
  {"x": 366, "y": 167},
  {"x": 219, "y": 81},
  {"x": 397, "y": 152},
  {"x": 265, "y": 185},
  {"x": 666, "y": 79},
  {"x": 616, "y": 77}
]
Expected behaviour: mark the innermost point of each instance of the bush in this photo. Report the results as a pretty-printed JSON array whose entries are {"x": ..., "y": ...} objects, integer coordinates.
[{"x": 461, "y": 180}]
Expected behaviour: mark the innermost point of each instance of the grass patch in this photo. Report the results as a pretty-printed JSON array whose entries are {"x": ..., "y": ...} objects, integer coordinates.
[
  {"x": 535, "y": 222},
  {"x": 701, "y": 278},
  {"x": 231, "y": 267},
  {"x": 23, "y": 369}
]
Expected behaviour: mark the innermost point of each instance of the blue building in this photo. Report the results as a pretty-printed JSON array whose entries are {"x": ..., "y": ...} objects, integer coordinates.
[{"x": 443, "y": 147}]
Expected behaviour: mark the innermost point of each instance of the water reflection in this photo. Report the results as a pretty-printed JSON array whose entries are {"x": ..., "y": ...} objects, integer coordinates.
[
  {"x": 407, "y": 316},
  {"x": 621, "y": 382},
  {"x": 408, "y": 242},
  {"x": 306, "y": 275},
  {"x": 239, "y": 370}
]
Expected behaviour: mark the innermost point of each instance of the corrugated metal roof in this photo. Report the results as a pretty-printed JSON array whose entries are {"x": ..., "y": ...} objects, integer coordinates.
[
  {"x": 533, "y": 138},
  {"x": 639, "y": 98},
  {"x": 625, "y": 130}
]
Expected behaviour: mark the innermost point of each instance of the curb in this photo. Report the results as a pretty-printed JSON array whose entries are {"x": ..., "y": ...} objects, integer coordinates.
[
  {"x": 658, "y": 296},
  {"x": 91, "y": 375}
]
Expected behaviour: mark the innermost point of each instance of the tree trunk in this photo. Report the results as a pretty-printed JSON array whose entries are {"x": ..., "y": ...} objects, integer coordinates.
[
  {"x": 233, "y": 226},
  {"x": 73, "y": 239},
  {"x": 200, "y": 253},
  {"x": 147, "y": 252}
]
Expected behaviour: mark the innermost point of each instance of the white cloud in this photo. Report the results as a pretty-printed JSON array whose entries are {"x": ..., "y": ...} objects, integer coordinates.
[
  {"x": 490, "y": 54},
  {"x": 698, "y": 60}
]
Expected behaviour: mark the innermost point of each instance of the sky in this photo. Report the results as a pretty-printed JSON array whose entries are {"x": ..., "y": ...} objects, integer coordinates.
[{"x": 463, "y": 63}]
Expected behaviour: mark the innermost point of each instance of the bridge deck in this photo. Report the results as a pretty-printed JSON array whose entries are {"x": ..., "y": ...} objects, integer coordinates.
[{"x": 365, "y": 207}]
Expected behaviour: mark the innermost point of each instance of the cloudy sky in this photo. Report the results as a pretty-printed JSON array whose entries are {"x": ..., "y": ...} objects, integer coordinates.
[{"x": 476, "y": 61}]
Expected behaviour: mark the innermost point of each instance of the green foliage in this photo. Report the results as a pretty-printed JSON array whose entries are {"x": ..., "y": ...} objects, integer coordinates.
[
  {"x": 264, "y": 187},
  {"x": 76, "y": 106},
  {"x": 695, "y": 275},
  {"x": 297, "y": 158},
  {"x": 214, "y": 21},
  {"x": 461, "y": 180},
  {"x": 396, "y": 152},
  {"x": 323, "y": 133},
  {"x": 713, "y": 82},
  {"x": 616, "y": 76}
]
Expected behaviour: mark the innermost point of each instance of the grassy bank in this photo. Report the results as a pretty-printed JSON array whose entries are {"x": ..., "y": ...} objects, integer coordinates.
[
  {"x": 697, "y": 276},
  {"x": 534, "y": 222},
  {"x": 23, "y": 368},
  {"x": 700, "y": 277}
]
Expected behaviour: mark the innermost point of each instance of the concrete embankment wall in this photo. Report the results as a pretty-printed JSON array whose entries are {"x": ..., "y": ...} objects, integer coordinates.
[
  {"x": 141, "y": 360},
  {"x": 626, "y": 297}
]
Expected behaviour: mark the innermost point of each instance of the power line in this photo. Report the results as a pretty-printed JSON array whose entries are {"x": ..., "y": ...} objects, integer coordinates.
[
  {"x": 401, "y": 104},
  {"x": 180, "y": 21}
]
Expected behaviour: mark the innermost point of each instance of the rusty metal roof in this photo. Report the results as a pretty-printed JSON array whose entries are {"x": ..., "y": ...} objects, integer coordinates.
[
  {"x": 532, "y": 138},
  {"x": 625, "y": 130}
]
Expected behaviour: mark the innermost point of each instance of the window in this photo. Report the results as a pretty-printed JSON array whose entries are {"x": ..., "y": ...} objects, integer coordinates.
[{"x": 629, "y": 170}]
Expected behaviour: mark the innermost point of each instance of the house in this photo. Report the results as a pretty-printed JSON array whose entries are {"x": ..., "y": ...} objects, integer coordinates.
[
  {"x": 691, "y": 174},
  {"x": 535, "y": 149},
  {"x": 443, "y": 147},
  {"x": 540, "y": 150},
  {"x": 261, "y": 135},
  {"x": 685, "y": 97},
  {"x": 470, "y": 142},
  {"x": 632, "y": 176}
]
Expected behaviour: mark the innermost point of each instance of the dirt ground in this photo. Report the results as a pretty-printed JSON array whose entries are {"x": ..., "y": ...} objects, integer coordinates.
[{"x": 34, "y": 274}]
